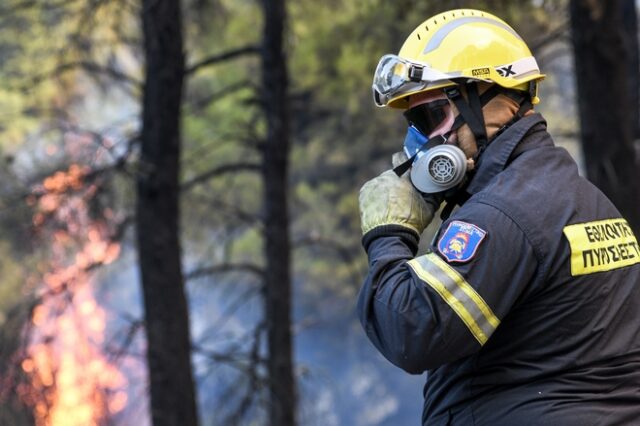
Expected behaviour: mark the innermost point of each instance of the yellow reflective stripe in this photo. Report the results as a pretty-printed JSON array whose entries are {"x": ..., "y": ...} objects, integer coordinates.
[
  {"x": 458, "y": 294},
  {"x": 445, "y": 30},
  {"x": 470, "y": 291}
]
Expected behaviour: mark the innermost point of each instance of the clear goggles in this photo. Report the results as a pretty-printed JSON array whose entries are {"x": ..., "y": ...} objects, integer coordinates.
[{"x": 395, "y": 75}]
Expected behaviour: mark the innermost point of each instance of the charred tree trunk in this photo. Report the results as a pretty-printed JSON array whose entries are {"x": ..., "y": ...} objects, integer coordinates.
[
  {"x": 157, "y": 217},
  {"x": 282, "y": 398},
  {"x": 605, "y": 50}
]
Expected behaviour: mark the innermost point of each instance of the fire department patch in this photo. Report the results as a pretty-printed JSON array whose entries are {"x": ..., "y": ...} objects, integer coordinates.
[{"x": 460, "y": 241}]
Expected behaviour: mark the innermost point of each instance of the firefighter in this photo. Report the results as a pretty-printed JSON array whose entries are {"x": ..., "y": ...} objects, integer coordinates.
[{"x": 525, "y": 307}]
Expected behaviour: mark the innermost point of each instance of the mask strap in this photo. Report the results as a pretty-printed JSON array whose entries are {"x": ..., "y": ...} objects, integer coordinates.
[
  {"x": 402, "y": 168},
  {"x": 475, "y": 123},
  {"x": 476, "y": 104}
]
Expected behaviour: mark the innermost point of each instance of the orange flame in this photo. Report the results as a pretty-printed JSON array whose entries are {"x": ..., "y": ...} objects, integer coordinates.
[{"x": 73, "y": 383}]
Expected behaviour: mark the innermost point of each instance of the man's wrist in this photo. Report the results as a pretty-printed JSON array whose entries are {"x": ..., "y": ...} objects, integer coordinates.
[{"x": 408, "y": 236}]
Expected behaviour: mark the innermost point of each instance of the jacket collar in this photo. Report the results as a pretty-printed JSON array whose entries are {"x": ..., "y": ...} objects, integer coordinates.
[{"x": 500, "y": 150}]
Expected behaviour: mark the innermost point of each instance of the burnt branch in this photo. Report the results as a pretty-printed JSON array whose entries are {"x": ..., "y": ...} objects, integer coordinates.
[
  {"x": 219, "y": 171},
  {"x": 240, "y": 360},
  {"x": 31, "y": 4},
  {"x": 561, "y": 32},
  {"x": 241, "y": 396},
  {"x": 550, "y": 55},
  {"x": 249, "y": 268},
  {"x": 118, "y": 351},
  {"x": 255, "y": 381},
  {"x": 225, "y": 56},
  {"x": 103, "y": 142},
  {"x": 87, "y": 66},
  {"x": 230, "y": 210},
  {"x": 343, "y": 252},
  {"x": 200, "y": 103},
  {"x": 230, "y": 311}
]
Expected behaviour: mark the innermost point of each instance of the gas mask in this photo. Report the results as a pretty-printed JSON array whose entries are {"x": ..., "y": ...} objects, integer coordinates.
[{"x": 435, "y": 166}]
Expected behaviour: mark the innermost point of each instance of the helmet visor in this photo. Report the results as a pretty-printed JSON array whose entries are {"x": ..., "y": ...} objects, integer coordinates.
[
  {"x": 394, "y": 75},
  {"x": 391, "y": 73}
]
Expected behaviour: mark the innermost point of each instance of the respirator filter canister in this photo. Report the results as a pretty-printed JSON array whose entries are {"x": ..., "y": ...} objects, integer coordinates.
[{"x": 436, "y": 167}]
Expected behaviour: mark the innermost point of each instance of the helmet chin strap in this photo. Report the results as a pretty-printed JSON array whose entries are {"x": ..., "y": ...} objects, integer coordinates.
[
  {"x": 471, "y": 111},
  {"x": 471, "y": 114}
]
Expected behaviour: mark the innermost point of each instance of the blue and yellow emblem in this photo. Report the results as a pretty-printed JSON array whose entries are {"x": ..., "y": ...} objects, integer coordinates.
[{"x": 460, "y": 241}]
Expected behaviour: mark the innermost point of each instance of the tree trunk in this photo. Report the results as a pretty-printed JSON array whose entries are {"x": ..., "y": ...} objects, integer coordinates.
[
  {"x": 282, "y": 397},
  {"x": 605, "y": 50},
  {"x": 172, "y": 391}
]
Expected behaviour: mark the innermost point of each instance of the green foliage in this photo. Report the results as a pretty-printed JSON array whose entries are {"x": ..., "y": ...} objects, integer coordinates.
[{"x": 37, "y": 45}]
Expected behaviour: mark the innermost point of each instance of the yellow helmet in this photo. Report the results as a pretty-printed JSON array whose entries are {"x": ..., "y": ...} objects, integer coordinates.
[{"x": 453, "y": 47}]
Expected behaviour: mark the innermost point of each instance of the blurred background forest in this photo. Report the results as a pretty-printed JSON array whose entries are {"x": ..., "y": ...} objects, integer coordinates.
[{"x": 173, "y": 169}]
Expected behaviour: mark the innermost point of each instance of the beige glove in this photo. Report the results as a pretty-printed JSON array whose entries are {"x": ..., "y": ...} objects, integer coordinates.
[{"x": 392, "y": 200}]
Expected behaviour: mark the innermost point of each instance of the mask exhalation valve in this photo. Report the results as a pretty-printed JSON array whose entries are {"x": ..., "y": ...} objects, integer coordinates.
[{"x": 439, "y": 169}]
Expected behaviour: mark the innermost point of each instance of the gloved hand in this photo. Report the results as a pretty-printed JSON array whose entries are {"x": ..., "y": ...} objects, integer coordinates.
[
  {"x": 392, "y": 200},
  {"x": 433, "y": 200}
]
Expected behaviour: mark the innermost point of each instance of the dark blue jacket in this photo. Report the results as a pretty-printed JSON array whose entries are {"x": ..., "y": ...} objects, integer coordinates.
[{"x": 526, "y": 308}]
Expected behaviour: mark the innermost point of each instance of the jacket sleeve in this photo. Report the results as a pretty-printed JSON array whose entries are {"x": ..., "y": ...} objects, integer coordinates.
[{"x": 434, "y": 309}]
